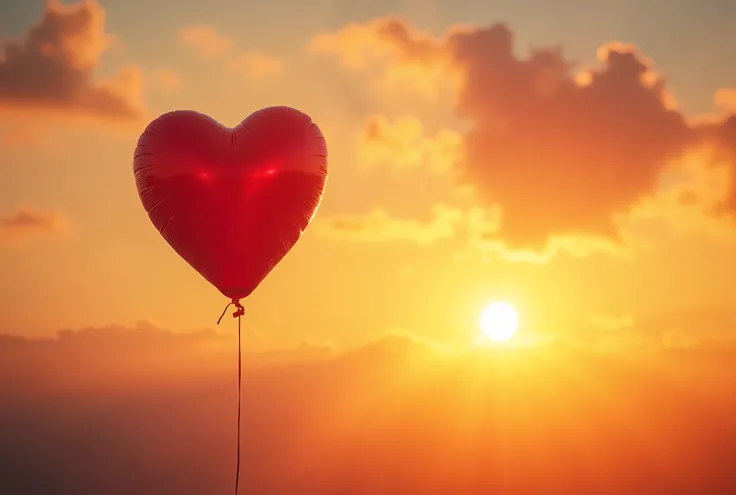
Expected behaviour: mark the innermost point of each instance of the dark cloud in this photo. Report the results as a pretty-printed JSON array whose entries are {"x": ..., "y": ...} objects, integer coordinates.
[
  {"x": 147, "y": 411},
  {"x": 53, "y": 66},
  {"x": 561, "y": 150},
  {"x": 560, "y": 157}
]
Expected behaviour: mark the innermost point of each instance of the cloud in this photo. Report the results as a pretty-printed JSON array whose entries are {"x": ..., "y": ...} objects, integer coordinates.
[
  {"x": 205, "y": 40},
  {"x": 404, "y": 145},
  {"x": 476, "y": 227},
  {"x": 209, "y": 43},
  {"x": 561, "y": 150},
  {"x": 379, "y": 226},
  {"x": 364, "y": 45},
  {"x": 144, "y": 410},
  {"x": 725, "y": 99},
  {"x": 256, "y": 65},
  {"x": 167, "y": 79},
  {"x": 26, "y": 224},
  {"x": 53, "y": 67},
  {"x": 691, "y": 197},
  {"x": 485, "y": 244}
]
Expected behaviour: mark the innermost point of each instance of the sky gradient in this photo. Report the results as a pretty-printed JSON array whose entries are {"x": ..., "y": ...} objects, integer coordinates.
[
  {"x": 407, "y": 157},
  {"x": 573, "y": 158}
]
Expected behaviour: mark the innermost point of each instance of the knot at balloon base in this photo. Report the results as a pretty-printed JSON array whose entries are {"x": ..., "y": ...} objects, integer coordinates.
[{"x": 239, "y": 310}]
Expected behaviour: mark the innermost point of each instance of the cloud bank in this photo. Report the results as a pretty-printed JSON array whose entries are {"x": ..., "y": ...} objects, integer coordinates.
[
  {"x": 561, "y": 149},
  {"x": 147, "y": 411}
]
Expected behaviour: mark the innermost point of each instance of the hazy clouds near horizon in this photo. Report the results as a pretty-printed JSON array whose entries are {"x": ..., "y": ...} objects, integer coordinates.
[{"x": 146, "y": 411}]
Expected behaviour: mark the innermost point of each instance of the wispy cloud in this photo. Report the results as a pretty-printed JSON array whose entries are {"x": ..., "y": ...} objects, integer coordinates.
[
  {"x": 208, "y": 42},
  {"x": 205, "y": 40},
  {"x": 26, "y": 224}
]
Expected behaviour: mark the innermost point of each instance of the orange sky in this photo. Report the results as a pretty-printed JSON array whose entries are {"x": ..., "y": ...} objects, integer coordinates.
[
  {"x": 575, "y": 161},
  {"x": 465, "y": 166},
  {"x": 141, "y": 410}
]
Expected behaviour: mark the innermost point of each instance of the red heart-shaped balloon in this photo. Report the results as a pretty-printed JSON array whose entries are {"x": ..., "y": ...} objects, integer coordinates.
[{"x": 231, "y": 201}]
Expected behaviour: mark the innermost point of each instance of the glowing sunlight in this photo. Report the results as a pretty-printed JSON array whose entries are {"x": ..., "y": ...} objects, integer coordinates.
[
  {"x": 499, "y": 321},
  {"x": 453, "y": 249}
]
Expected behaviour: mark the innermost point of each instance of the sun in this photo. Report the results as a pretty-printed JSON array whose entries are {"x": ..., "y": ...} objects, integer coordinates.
[{"x": 499, "y": 321}]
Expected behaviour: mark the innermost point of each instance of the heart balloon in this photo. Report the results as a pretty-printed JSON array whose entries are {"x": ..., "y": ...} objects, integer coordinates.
[{"x": 231, "y": 201}]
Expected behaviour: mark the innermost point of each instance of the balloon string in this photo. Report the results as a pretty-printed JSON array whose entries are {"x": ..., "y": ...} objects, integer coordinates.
[
  {"x": 240, "y": 378},
  {"x": 240, "y": 311}
]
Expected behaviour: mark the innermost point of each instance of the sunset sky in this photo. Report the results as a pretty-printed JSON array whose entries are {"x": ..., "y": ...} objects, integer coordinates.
[
  {"x": 588, "y": 206},
  {"x": 572, "y": 158}
]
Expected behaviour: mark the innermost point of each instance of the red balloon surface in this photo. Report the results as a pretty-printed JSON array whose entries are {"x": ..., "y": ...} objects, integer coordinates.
[{"x": 231, "y": 201}]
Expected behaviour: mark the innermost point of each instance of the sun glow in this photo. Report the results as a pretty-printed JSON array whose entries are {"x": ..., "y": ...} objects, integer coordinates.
[{"x": 499, "y": 321}]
